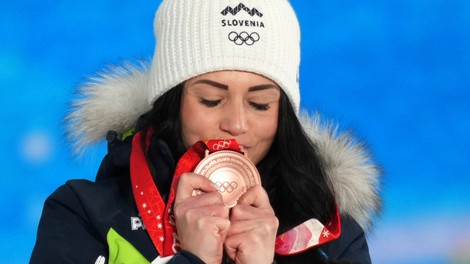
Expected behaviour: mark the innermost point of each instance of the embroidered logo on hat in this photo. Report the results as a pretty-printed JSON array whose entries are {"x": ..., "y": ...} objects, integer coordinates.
[
  {"x": 234, "y": 11},
  {"x": 243, "y": 38}
]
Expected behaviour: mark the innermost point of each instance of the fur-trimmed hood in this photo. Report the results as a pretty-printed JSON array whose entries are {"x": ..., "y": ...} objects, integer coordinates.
[{"x": 116, "y": 98}]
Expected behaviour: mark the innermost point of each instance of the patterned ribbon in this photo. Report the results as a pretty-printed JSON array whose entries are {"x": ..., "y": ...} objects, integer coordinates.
[
  {"x": 310, "y": 233},
  {"x": 159, "y": 219}
]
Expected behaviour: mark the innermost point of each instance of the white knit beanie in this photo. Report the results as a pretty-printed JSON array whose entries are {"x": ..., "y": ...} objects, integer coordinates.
[{"x": 200, "y": 36}]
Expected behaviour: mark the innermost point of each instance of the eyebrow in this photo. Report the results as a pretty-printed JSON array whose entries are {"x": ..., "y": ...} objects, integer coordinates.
[
  {"x": 262, "y": 87},
  {"x": 212, "y": 83},
  {"x": 225, "y": 87}
]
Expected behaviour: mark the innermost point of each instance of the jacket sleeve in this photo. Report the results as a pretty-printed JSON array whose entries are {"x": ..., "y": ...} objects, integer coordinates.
[
  {"x": 351, "y": 245},
  {"x": 64, "y": 233},
  {"x": 185, "y": 257}
]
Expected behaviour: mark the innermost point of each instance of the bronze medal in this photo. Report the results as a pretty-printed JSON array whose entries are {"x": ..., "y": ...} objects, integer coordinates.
[{"x": 231, "y": 172}]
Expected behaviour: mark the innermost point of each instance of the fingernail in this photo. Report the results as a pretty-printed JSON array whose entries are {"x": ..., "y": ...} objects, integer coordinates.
[{"x": 216, "y": 186}]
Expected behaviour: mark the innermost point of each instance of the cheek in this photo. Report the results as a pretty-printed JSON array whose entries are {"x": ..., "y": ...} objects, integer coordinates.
[
  {"x": 273, "y": 126},
  {"x": 188, "y": 129},
  {"x": 270, "y": 127},
  {"x": 270, "y": 132},
  {"x": 194, "y": 124},
  {"x": 266, "y": 132}
]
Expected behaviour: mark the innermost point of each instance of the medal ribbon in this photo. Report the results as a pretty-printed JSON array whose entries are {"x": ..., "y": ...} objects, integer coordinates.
[
  {"x": 157, "y": 216},
  {"x": 310, "y": 233},
  {"x": 159, "y": 219}
]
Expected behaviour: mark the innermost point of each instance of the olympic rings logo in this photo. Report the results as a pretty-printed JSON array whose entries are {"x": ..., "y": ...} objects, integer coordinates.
[
  {"x": 226, "y": 186},
  {"x": 223, "y": 144},
  {"x": 243, "y": 38}
]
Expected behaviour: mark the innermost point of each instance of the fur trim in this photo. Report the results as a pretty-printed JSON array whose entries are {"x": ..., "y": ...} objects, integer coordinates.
[
  {"x": 353, "y": 176},
  {"x": 112, "y": 101},
  {"x": 116, "y": 99}
]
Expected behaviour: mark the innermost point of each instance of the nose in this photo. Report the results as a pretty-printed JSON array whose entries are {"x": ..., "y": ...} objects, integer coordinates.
[{"x": 235, "y": 121}]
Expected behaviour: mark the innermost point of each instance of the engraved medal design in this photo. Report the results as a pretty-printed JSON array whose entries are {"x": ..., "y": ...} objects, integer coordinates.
[{"x": 231, "y": 172}]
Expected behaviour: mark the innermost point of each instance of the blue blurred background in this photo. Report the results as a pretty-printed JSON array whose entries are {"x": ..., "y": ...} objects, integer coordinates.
[{"x": 395, "y": 72}]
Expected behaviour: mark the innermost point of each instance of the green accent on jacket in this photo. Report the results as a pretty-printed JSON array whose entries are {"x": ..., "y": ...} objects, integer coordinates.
[{"x": 121, "y": 251}]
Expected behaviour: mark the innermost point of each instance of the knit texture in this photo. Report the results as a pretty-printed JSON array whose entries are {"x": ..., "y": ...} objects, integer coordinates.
[{"x": 200, "y": 36}]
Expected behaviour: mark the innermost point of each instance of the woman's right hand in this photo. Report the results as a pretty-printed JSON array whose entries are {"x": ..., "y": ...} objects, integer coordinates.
[{"x": 202, "y": 220}]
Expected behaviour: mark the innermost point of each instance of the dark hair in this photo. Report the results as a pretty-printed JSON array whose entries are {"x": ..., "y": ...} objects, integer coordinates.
[
  {"x": 296, "y": 184},
  {"x": 291, "y": 171},
  {"x": 164, "y": 119}
]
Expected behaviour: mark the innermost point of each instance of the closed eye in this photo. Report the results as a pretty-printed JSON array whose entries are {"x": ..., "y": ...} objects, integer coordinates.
[
  {"x": 210, "y": 103},
  {"x": 260, "y": 107}
]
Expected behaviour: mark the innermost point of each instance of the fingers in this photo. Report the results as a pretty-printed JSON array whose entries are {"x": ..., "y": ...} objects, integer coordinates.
[
  {"x": 254, "y": 204},
  {"x": 230, "y": 246},
  {"x": 203, "y": 235},
  {"x": 202, "y": 220},
  {"x": 255, "y": 196},
  {"x": 190, "y": 207},
  {"x": 253, "y": 227},
  {"x": 251, "y": 241},
  {"x": 263, "y": 226},
  {"x": 209, "y": 224},
  {"x": 188, "y": 183},
  {"x": 205, "y": 226},
  {"x": 193, "y": 214}
]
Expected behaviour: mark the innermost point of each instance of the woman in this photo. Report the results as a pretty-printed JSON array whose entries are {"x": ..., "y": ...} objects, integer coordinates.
[{"x": 224, "y": 71}]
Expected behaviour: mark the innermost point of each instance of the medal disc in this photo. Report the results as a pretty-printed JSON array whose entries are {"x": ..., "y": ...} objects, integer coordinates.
[{"x": 231, "y": 172}]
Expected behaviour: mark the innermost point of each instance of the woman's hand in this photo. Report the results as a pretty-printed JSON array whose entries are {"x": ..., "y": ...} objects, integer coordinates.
[
  {"x": 252, "y": 233},
  {"x": 201, "y": 221}
]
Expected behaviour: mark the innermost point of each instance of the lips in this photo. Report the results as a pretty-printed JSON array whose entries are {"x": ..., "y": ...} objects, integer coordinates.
[{"x": 245, "y": 150}]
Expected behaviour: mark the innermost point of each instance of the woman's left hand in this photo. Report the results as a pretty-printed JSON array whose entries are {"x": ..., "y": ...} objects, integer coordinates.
[{"x": 253, "y": 227}]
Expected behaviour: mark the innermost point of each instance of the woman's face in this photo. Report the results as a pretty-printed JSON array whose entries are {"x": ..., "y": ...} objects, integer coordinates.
[{"x": 231, "y": 104}]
